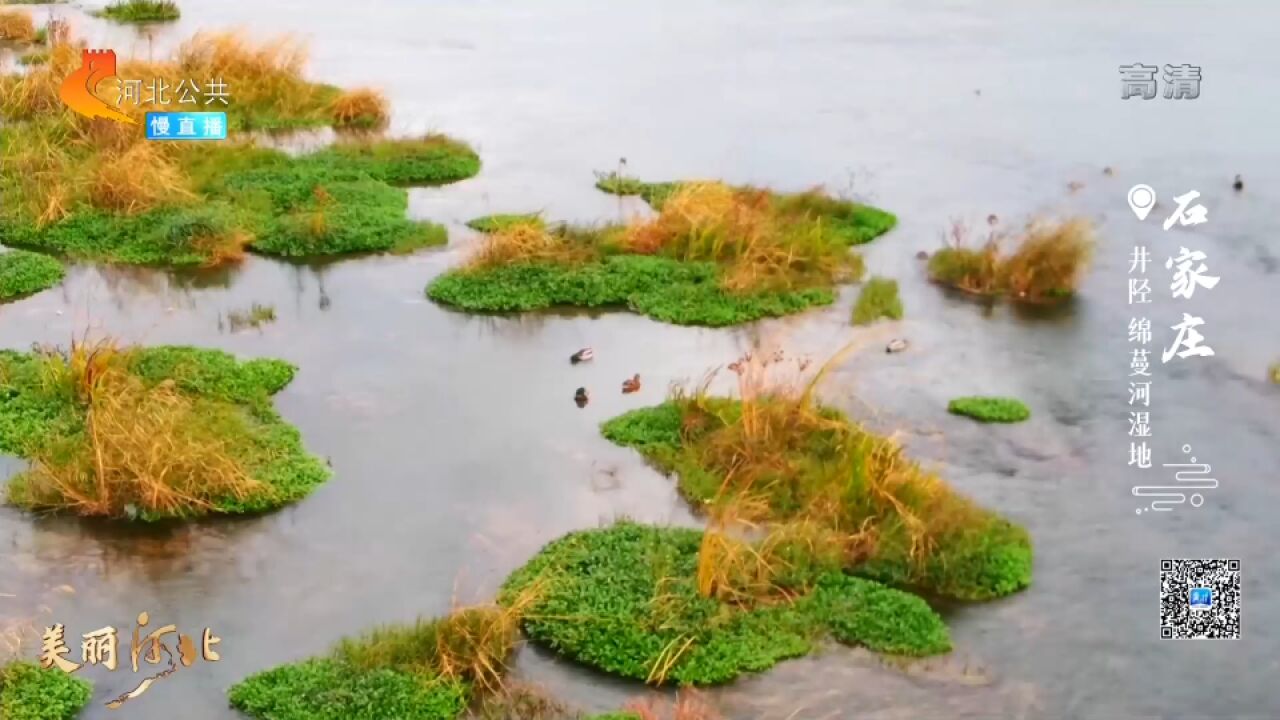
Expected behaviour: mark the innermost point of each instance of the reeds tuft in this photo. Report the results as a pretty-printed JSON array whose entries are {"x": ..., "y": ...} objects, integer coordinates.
[
  {"x": 360, "y": 109},
  {"x": 1047, "y": 264},
  {"x": 148, "y": 433},
  {"x": 774, "y": 457},
  {"x": 17, "y": 26}
]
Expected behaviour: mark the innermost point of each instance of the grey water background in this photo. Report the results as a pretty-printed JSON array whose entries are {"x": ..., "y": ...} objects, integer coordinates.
[{"x": 457, "y": 450}]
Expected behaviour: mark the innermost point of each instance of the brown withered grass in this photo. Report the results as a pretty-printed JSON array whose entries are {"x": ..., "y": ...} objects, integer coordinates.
[
  {"x": 743, "y": 230},
  {"x": 1050, "y": 260},
  {"x": 259, "y": 74},
  {"x": 361, "y": 109},
  {"x": 222, "y": 247},
  {"x": 137, "y": 179},
  {"x": 263, "y": 76},
  {"x": 35, "y": 93},
  {"x": 826, "y": 493},
  {"x": 530, "y": 242},
  {"x": 17, "y": 26},
  {"x": 143, "y": 450},
  {"x": 473, "y": 644},
  {"x": 1047, "y": 264}
]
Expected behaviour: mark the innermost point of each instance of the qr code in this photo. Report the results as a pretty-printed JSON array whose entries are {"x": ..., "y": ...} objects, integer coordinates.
[{"x": 1199, "y": 599}]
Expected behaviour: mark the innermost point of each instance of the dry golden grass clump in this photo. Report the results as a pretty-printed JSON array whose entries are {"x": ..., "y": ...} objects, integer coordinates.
[
  {"x": 1047, "y": 264},
  {"x": 265, "y": 75},
  {"x": 35, "y": 93},
  {"x": 149, "y": 433},
  {"x": 361, "y": 109},
  {"x": 759, "y": 243},
  {"x": 221, "y": 246},
  {"x": 147, "y": 451},
  {"x": 1050, "y": 260},
  {"x": 144, "y": 448},
  {"x": 472, "y": 643},
  {"x": 137, "y": 179},
  {"x": 755, "y": 244},
  {"x": 531, "y": 242},
  {"x": 17, "y": 26},
  {"x": 777, "y": 567},
  {"x": 263, "y": 80},
  {"x": 227, "y": 54},
  {"x": 697, "y": 212},
  {"x": 475, "y": 644},
  {"x": 429, "y": 668},
  {"x": 826, "y": 492}
]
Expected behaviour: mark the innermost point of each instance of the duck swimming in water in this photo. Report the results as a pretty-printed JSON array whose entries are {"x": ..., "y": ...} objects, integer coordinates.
[
  {"x": 631, "y": 385},
  {"x": 582, "y": 355},
  {"x": 581, "y": 398},
  {"x": 1238, "y": 185},
  {"x": 896, "y": 345}
]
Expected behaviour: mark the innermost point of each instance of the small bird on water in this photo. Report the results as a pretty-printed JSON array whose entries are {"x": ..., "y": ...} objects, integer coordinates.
[
  {"x": 1238, "y": 185},
  {"x": 896, "y": 345},
  {"x": 580, "y": 397},
  {"x": 631, "y": 384},
  {"x": 582, "y": 355}
]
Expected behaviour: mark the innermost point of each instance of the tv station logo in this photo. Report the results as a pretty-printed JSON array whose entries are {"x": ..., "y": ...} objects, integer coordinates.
[{"x": 79, "y": 93}]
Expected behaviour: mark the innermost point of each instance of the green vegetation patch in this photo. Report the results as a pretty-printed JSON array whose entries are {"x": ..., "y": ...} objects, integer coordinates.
[
  {"x": 990, "y": 409},
  {"x": 98, "y": 190},
  {"x": 141, "y": 11},
  {"x": 338, "y": 201},
  {"x": 878, "y": 298},
  {"x": 624, "y": 599},
  {"x": 426, "y": 670},
  {"x": 30, "y": 693},
  {"x": 430, "y": 160},
  {"x": 150, "y": 433},
  {"x": 653, "y": 193},
  {"x": 714, "y": 256},
  {"x": 683, "y": 293},
  {"x": 499, "y": 222},
  {"x": 883, "y": 515},
  {"x": 23, "y": 273},
  {"x": 328, "y": 689}
]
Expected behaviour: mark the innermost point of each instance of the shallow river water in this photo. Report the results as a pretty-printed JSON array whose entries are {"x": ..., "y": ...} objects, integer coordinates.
[{"x": 457, "y": 450}]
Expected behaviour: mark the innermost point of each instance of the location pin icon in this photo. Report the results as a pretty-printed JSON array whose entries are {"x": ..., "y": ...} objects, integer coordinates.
[{"x": 1141, "y": 199}]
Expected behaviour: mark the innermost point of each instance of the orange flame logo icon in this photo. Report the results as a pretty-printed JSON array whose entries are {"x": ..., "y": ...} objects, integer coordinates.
[{"x": 77, "y": 90}]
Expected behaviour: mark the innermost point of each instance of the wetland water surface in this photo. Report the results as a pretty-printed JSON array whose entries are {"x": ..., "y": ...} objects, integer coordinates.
[{"x": 458, "y": 451}]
